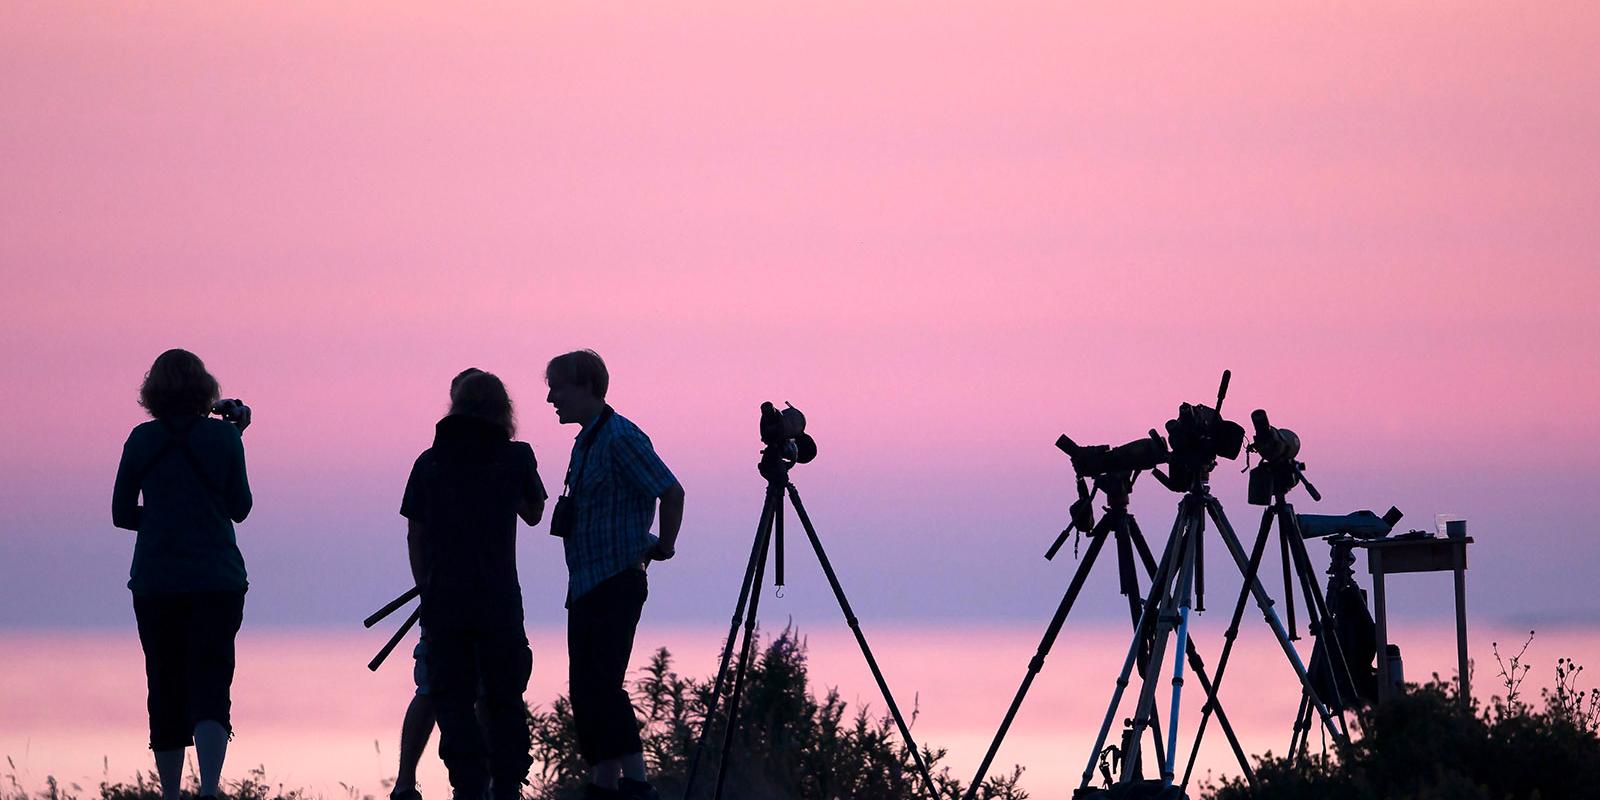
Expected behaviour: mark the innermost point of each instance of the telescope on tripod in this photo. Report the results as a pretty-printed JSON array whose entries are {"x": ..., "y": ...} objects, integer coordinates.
[
  {"x": 1112, "y": 471},
  {"x": 785, "y": 444},
  {"x": 1183, "y": 461}
]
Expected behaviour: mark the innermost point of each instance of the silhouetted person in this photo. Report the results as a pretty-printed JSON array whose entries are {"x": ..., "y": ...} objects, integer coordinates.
[
  {"x": 418, "y": 723},
  {"x": 462, "y": 503},
  {"x": 188, "y": 578},
  {"x": 417, "y": 726},
  {"x": 613, "y": 482},
  {"x": 415, "y": 729}
]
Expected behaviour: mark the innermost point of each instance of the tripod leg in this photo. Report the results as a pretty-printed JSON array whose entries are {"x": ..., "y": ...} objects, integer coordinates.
[
  {"x": 1186, "y": 582},
  {"x": 1097, "y": 540},
  {"x": 1288, "y": 583},
  {"x": 1158, "y": 582},
  {"x": 1321, "y": 614},
  {"x": 1230, "y": 635},
  {"x": 1265, "y": 603},
  {"x": 388, "y": 647},
  {"x": 1318, "y": 623},
  {"x": 1128, "y": 585},
  {"x": 745, "y": 588},
  {"x": 1167, "y": 616},
  {"x": 1127, "y": 578},
  {"x": 855, "y": 627},
  {"x": 1302, "y": 728},
  {"x": 745, "y": 655},
  {"x": 1199, "y": 667},
  {"x": 777, "y": 535}
]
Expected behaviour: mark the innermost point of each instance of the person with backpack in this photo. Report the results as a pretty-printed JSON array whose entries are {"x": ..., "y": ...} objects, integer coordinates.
[
  {"x": 420, "y": 717},
  {"x": 188, "y": 577},
  {"x": 462, "y": 503}
]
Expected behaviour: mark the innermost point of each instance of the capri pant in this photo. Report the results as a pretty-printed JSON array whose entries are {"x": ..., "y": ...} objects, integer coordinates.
[{"x": 188, "y": 661}]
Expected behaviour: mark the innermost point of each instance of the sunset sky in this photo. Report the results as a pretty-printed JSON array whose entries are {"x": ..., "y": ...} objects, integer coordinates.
[{"x": 948, "y": 232}]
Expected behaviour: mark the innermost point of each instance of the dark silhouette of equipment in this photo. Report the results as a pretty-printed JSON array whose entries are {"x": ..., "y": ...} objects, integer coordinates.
[
  {"x": 1279, "y": 472},
  {"x": 1354, "y": 633},
  {"x": 405, "y": 627},
  {"x": 1113, "y": 471},
  {"x": 1354, "y": 630},
  {"x": 785, "y": 444},
  {"x": 1356, "y": 525},
  {"x": 1198, "y": 436},
  {"x": 233, "y": 410}
]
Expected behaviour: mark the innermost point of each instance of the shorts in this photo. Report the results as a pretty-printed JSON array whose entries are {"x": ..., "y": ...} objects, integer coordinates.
[{"x": 419, "y": 670}]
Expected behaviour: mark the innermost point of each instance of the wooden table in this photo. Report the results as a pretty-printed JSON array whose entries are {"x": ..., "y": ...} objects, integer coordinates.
[{"x": 1434, "y": 554}]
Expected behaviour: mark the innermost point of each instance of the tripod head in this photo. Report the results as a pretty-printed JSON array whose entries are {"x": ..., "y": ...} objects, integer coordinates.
[
  {"x": 1112, "y": 470},
  {"x": 1279, "y": 471},
  {"x": 1116, "y": 485},
  {"x": 1199, "y": 435},
  {"x": 1341, "y": 559},
  {"x": 786, "y": 443}
]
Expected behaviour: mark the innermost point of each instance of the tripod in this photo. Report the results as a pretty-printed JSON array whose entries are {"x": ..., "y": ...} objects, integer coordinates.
[
  {"x": 1350, "y": 628},
  {"x": 1120, "y": 526},
  {"x": 390, "y": 608},
  {"x": 774, "y": 466},
  {"x": 1275, "y": 477},
  {"x": 1172, "y": 591}
]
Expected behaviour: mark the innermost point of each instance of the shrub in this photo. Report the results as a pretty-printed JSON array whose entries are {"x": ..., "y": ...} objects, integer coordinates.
[
  {"x": 789, "y": 745},
  {"x": 1425, "y": 745}
]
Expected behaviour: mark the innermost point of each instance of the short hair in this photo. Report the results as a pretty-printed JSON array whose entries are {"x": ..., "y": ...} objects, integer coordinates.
[
  {"x": 177, "y": 385},
  {"x": 483, "y": 396},
  {"x": 580, "y": 368}
]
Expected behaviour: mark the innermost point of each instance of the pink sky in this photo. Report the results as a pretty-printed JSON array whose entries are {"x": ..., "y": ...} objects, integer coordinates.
[{"x": 947, "y": 234}]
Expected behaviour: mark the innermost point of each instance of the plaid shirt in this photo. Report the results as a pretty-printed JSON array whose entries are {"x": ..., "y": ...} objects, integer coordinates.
[{"x": 614, "y": 481}]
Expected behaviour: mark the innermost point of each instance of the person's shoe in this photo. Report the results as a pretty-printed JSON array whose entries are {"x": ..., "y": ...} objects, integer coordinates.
[
  {"x": 594, "y": 791},
  {"x": 637, "y": 790}
]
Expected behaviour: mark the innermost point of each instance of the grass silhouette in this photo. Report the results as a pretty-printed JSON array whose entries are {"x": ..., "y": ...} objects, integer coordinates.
[{"x": 794, "y": 745}]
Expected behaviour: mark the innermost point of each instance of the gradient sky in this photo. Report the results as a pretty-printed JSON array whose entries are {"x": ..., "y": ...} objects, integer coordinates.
[{"x": 947, "y": 233}]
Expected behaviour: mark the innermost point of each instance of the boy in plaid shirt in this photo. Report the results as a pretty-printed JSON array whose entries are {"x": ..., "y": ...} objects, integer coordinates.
[{"x": 614, "y": 481}]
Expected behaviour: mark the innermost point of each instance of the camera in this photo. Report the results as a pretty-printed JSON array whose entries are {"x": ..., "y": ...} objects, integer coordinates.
[
  {"x": 1100, "y": 459},
  {"x": 233, "y": 410},
  {"x": 1199, "y": 435},
  {"x": 784, "y": 433},
  {"x": 564, "y": 518}
]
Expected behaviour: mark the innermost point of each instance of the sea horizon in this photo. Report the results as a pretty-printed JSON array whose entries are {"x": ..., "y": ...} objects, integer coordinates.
[{"x": 311, "y": 716}]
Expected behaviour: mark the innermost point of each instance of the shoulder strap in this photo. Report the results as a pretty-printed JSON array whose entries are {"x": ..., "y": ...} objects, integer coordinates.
[
  {"x": 588, "y": 438},
  {"x": 179, "y": 440}
]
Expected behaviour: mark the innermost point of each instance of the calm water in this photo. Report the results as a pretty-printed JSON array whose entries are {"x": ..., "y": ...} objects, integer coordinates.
[{"x": 308, "y": 711}]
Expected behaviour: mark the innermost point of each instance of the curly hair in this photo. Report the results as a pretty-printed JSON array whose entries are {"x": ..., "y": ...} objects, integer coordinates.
[
  {"x": 480, "y": 394},
  {"x": 177, "y": 385}
]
